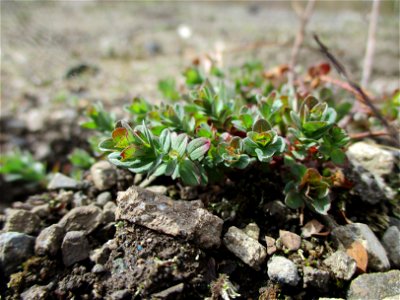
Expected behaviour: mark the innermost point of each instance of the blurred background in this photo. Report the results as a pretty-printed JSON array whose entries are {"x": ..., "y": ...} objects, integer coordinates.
[{"x": 126, "y": 46}]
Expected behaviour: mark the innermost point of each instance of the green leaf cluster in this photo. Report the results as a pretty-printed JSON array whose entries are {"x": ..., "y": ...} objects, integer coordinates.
[
  {"x": 217, "y": 126},
  {"x": 21, "y": 166}
]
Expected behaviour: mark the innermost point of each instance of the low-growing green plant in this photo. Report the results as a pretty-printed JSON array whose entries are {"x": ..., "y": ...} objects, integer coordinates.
[
  {"x": 217, "y": 127},
  {"x": 81, "y": 159},
  {"x": 21, "y": 166}
]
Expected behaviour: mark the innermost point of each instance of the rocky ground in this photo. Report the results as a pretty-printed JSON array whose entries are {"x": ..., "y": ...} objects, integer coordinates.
[
  {"x": 114, "y": 234},
  {"x": 103, "y": 238}
]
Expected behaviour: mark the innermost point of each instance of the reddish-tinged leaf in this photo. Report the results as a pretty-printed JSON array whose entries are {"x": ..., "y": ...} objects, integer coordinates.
[
  {"x": 198, "y": 147},
  {"x": 360, "y": 255},
  {"x": 128, "y": 152},
  {"x": 120, "y": 137}
]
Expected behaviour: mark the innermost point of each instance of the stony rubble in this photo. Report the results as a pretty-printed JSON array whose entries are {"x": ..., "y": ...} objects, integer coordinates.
[
  {"x": 103, "y": 198},
  {"x": 104, "y": 175},
  {"x": 86, "y": 218},
  {"x": 290, "y": 240},
  {"x": 15, "y": 248},
  {"x": 391, "y": 242},
  {"x": 20, "y": 220},
  {"x": 341, "y": 265},
  {"x": 252, "y": 230},
  {"x": 60, "y": 181},
  {"x": 283, "y": 271},
  {"x": 185, "y": 219},
  {"x": 345, "y": 236},
  {"x": 249, "y": 250},
  {"x": 49, "y": 240},
  {"x": 75, "y": 247},
  {"x": 375, "y": 286},
  {"x": 315, "y": 278}
]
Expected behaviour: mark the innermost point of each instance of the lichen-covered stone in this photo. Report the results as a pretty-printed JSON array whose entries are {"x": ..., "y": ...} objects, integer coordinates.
[
  {"x": 341, "y": 265},
  {"x": 375, "y": 286},
  {"x": 283, "y": 271},
  {"x": 185, "y": 219}
]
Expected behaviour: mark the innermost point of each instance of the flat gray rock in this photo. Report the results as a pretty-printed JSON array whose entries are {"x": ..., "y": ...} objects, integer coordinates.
[
  {"x": 358, "y": 232},
  {"x": 20, "y": 220},
  {"x": 341, "y": 265},
  {"x": 86, "y": 218},
  {"x": 283, "y": 271},
  {"x": 49, "y": 240},
  {"x": 371, "y": 157},
  {"x": 104, "y": 175},
  {"x": 249, "y": 250},
  {"x": 184, "y": 219},
  {"x": 60, "y": 181},
  {"x": 15, "y": 248},
  {"x": 75, "y": 247},
  {"x": 375, "y": 286},
  {"x": 391, "y": 242}
]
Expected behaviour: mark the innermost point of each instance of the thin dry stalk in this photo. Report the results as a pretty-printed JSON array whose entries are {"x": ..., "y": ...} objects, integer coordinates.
[
  {"x": 370, "y": 48},
  {"x": 366, "y": 100},
  {"x": 305, "y": 17}
]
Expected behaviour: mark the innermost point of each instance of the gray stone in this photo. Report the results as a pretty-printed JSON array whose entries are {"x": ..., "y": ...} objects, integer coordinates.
[
  {"x": 371, "y": 157},
  {"x": 290, "y": 240},
  {"x": 394, "y": 222},
  {"x": 80, "y": 199},
  {"x": 271, "y": 248},
  {"x": 341, "y": 265},
  {"x": 283, "y": 271},
  {"x": 20, "y": 220},
  {"x": 278, "y": 210},
  {"x": 15, "y": 248},
  {"x": 375, "y": 286},
  {"x": 252, "y": 230},
  {"x": 185, "y": 219},
  {"x": 98, "y": 269},
  {"x": 49, "y": 240},
  {"x": 101, "y": 255},
  {"x": 120, "y": 295},
  {"x": 35, "y": 292},
  {"x": 104, "y": 175},
  {"x": 60, "y": 181},
  {"x": 345, "y": 236},
  {"x": 41, "y": 210},
  {"x": 159, "y": 189},
  {"x": 75, "y": 247},
  {"x": 370, "y": 162},
  {"x": 109, "y": 212},
  {"x": 86, "y": 218},
  {"x": 314, "y": 278},
  {"x": 169, "y": 292},
  {"x": 103, "y": 198},
  {"x": 370, "y": 187},
  {"x": 391, "y": 242},
  {"x": 249, "y": 250}
]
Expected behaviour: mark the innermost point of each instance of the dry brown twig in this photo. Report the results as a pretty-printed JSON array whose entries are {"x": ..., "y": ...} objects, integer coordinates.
[
  {"x": 305, "y": 17},
  {"x": 366, "y": 100}
]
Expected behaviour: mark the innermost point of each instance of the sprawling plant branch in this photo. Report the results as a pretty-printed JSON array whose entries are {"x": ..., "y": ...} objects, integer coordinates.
[{"x": 342, "y": 72}]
